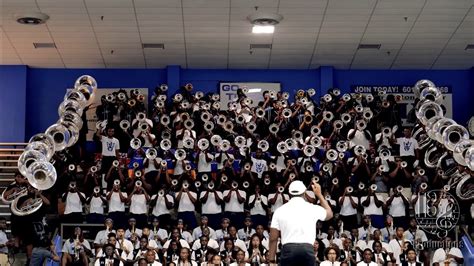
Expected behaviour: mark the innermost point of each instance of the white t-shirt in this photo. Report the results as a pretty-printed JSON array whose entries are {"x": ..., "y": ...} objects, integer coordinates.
[
  {"x": 115, "y": 204},
  {"x": 328, "y": 263},
  {"x": 296, "y": 221},
  {"x": 96, "y": 205},
  {"x": 160, "y": 207},
  {"x": 358, "y": 139},
  {"x": 109, "y": 146},
  {"x": 69, "y": 246},
  {"x": 138, "y": 204},
  {"x": 212, "y": 244},
  {"x": 440, "y": 255},
  {"x": 147, "y": 143},
  {"x": 233, "y": 205},
  {"x": 372, "y": 209},
  {"x": 182, "y": 242},
  {"x": 211, "y": 206},
  {"x": 203, "y": 165},
  {"x": 197, "y": 233},
  {"x": 395, "y": 245},
  {"x": 258, "y": 207},
  {"x": 397, "y": 208},
  {"x": 407, "y": 146},
  {"x": 279, "y": 201},
  {"x": 185, "y": 204},
  {"x": 73, "y": 202},
  {"x": 151, "y": 164},
  {"x": 107, "y": 262},
  {"x": 346, "y": 208},
  {"x": 102, "y": 236},
  {"x": 367, "y": 264},
  {"x": 418, "y": 234}
]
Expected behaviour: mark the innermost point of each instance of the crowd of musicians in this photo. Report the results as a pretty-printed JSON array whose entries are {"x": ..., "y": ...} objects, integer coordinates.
[{"x": 191, "y": 182}]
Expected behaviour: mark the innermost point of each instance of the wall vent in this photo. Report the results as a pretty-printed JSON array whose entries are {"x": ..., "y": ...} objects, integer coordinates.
[
  {"x": 39, "y": 45},
  {"x": 260, "y": 46},
  {"x": 154, "y": 45},
  {"x": 369, "y": 46}
]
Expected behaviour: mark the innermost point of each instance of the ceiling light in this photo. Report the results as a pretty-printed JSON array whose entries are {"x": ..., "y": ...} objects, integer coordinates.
[
  {"x": 263, "y": 29},
  {"x": 363, "y": 46},
  {"x": 264, "y": 22},
  {"x": 31, "y": 18},
  {"x": 469, "y": 47}
]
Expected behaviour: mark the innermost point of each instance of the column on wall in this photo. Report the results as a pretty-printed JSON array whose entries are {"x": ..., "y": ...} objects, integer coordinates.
[{"x": 327, "y": 80}]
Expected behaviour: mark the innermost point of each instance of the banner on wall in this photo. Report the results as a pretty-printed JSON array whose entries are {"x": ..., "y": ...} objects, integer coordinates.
[
  {"x": 228, "y": 91},
  {"x": 408, "y": 97},
  {"x": 91, "y": 112}
]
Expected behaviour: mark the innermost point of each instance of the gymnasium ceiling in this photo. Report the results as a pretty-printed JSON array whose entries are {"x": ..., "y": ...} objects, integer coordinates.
[{"x": 414, "y": 34}]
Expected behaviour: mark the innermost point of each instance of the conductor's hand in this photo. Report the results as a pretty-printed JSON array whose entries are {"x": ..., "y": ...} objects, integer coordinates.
[{"x": 316, "y": 189}]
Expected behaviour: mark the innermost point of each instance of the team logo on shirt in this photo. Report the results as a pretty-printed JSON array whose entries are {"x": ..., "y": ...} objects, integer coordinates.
[
  {"x": 110, "y": 146},
  {"x": 438, "y": 214},
  {"x": 407, "y": 145}
]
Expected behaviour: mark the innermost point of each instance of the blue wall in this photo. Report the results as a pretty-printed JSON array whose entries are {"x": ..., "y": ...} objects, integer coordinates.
[
  {"x": 33, "y": 94},
  {"x": 12, "y": 103}
]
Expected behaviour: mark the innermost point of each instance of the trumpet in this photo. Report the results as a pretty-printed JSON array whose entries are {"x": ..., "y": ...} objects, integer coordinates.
[
  {"x": 205, "y": 177},
  {"x": 198, "y": 95},
  {"x": 341, "y": 146},
  {"x": 161, "y": 193},
  {"x": 229, "y": 126},
  {"x": 124, "y": 125},
  {"x": 286, "y": 113},
  {"x": 309, "y": 150},
  {"x": 174, "y": 182},
  {"x": 138, "y": 183},
  {"x": 326, "y": 167},
  {"x": 72, "y": 185},
  {"x": 297, "y": 135},
  {"x": 96, "y": 190},
  {"x": 272, "y": 166},
  {"x": 93, "y": 169},
  {"x": 336, "y": 92},
  {"x": 132, "y": 102},
  {"x": 178, "y": 97},
  {"x": 346, "y": 97},
  {"x": 315, "y": 179},
  {"x": 385, "y": 104},
  {"x": 210, "y": 186},
  {"x": 291, "y": 176},
  {"x": 121, "y": 96},
  {"x": 399, "y": 189},
  {"x": 163, "y": 164},
  {"x": 361, "y": 186},
  {"x": 338, "y": 124},
  {"x": 369, "y": 98},
  {"x": 266, "y": 181},
  {"x": 361, "y": 125},
  {"x": 203, "y": 144},
  {"x": 263, "y": 145},
  {"x": 349, "y": 190},
  {"x": 187, "y": 167},
  {"x": 373, "y": 187},
  {"x": 180, "y": 154},
  {"x": 221, "y": 120},
  {"x": 328, "y": 116},
  {"x": 197, "y": 184},
  {"x": 165, "y": 144},
  {"x": 159, "y": 104},
  {"x": 315, "y": 130},
  {"x": 385, "y": 154},
  {"x": 335, "y": 181},
  {"x": 165, "y": 120},
  {"x": 216, "y": 140},
  {"x": 382, "y": 168},
  {"x": 188, "y": 143},
  {"x": 185, "y": 185},
  {"x": 359, "y": 150},
  {"x": 117, "y": 182},
  {"x": 138, "y": 174},
  {"x": 368, "y": 114},
  {"x": 163, "y": 87},
  {"x": 346, "y": 118},
  {"x": 208, "y": 126},
  {"x": 359, "y": 108},
  {"x": 327, "y": 98},
  {"x": 135, "y": 143},
  {"x": 71, "y": 167},
  {"x": 421, "y": 172},
  {"x": 247, "y": 167},
  {"x": 285, "y": 95},
  {"x": 240, "y": 141},
  {"x": 224, "y": 178},
  {"x": 251, "y": 127},
  {"x": 135, "y": 165},
  {"x": 282, "y": 147},
  {"x": 141, "y": 98},
  {"x": 246, "y": 184},
  {"x": 308, "y": 119},
  {"x": 151, "y": 154},
  {"x": 332, "y": 155},
  {"x": 273, "y": 128},
  {"x": 143, "y": 126},
  {"x": 259, "y": 112},
  {"x": 281, "y": 189},
  {"x": 403, "y": 164},
  {"x": 300, "y": 93},
  {"x": 424, "y": 186},
  {"x": 235, "y": 185},
  {"x": 141, "y": 116},
  {"x": 115, "y": 163}
]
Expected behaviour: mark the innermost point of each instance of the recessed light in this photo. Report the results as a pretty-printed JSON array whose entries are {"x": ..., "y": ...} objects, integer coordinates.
[
  {"x": 263, "y": 29},
  {"x": 363, "y": 46},
  {"x": 31, "y": 18}
]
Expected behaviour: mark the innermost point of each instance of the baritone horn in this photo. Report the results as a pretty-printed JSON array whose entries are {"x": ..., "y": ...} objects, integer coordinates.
[{"x": 17, "y": 192}]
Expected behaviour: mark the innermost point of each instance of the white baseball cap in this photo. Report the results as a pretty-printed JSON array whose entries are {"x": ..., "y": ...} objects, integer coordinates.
[{"x": 297, "y": 188}]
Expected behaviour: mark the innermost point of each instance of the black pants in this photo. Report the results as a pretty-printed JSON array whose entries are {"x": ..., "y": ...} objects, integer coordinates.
[
  {"x": 297, "y": 255},
  {"x": 350, "y": 221}
]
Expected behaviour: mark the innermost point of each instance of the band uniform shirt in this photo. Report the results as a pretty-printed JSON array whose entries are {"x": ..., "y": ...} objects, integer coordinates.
[
  {"x": 138, "y": 204},
  {"x": 258, "y": 207},
  {"x": 234, "y": 205},
  {"x": 440, "y": 256},
  {"x": 115, "y": 204},
  {"x": 346, "y": 208},
  {"x": 109, "y": 146},
  {"x": 211, "y": 206},
  {"x": 372, "y": 209},
  {"x": 367, "y": 263},
  {"x": 185, "y": 204},
  {"x": 397, "y": 207},
  {"x": 102, "y": 236},
  {"x": 73, "y": 202},
  {"x": 407, "y": 146},
  {"x": 160, "y": 207},
  {"x": 96, "y": 205},
  {"x": 279, "y": 200},
  {"x": 69, "y": 246},
  {"x": 296, "y": 220}
]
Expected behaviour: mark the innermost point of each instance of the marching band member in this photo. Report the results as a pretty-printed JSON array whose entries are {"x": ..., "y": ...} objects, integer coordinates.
[{"x": 76, "y": 250}]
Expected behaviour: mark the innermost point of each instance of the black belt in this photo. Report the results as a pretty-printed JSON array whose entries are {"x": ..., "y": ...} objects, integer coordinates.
[{"x": 297, "y": 245}]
